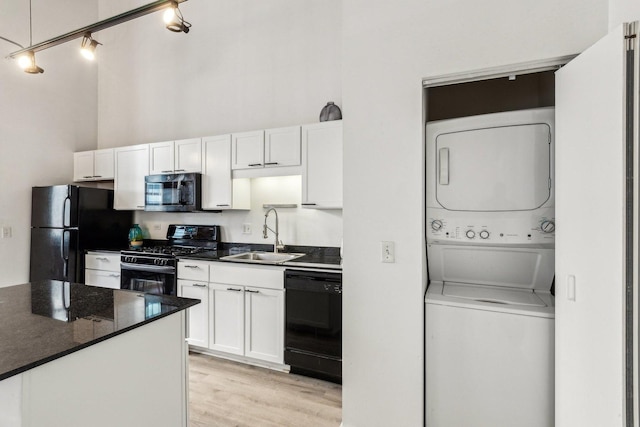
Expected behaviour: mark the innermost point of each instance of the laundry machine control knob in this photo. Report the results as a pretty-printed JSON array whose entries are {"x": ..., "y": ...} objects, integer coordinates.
[
  {"x": 484, "y": 234},
  {"x": 470, "y": 234},
  {"x": 547, "y": 226},
  {"x": 436, "y": 225}
]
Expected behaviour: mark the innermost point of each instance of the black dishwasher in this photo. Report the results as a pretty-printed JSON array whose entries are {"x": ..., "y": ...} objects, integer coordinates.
[{"x": 313, "y": 318}]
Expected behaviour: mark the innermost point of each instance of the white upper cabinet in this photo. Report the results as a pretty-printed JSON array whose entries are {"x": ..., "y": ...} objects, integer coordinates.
[
  {"x": 219, "y": 191},
  {"x": 93, "y": 165},
  {"x": 266, "y": 149},
  {"x": 175, "y": 156},
  {"x": 282, "y": 147},
  {"x": 248, "y": 150},
  {"x": 322, "y": 165},
  {"x": 131, "y": 166}
]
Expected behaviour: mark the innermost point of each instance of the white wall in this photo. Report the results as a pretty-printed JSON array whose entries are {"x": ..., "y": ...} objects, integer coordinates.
[
  {"x": 388, "y": 47},
  {"x": 623, "y": 11},
  {"x": 244, "y": 65},
  {"x": 43, "y": 118}
]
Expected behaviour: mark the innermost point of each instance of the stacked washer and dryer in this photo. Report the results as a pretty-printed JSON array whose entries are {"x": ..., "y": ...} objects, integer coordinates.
[{"x": 489, "y": 321}]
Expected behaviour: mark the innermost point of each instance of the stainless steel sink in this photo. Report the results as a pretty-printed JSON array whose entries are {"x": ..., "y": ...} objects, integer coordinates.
[{"x": 262, "y": 257}]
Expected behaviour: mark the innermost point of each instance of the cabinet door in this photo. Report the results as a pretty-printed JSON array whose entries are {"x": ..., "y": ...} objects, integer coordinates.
[
  {"x": 248, "y": 150},
  {"x": 132, "y": 165},
  {"x": 216, "y": 172},
  {"x": 282, "y": 147},
  {"x": 188, "y": 155},
  {"x": 198, "y": 315},
  {"x": 264, "y": 330},
  {"x": 83, "y": 166},
  {"x": 103, "y": 164},
  {"x": 161, "y": 157},
  {"x": 226, "y": 331},
  {"x": 322, "y": 165}
]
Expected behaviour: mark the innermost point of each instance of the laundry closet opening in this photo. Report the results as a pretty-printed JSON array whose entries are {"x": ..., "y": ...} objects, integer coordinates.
[{"x": 490, "y": 244}]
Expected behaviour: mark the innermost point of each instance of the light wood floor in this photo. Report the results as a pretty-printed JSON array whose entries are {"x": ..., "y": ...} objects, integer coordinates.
[{"x": 223, "y": 393}]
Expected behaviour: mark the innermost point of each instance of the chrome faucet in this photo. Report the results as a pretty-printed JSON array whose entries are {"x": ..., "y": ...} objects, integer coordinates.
[{"x": 278, "y": 244}]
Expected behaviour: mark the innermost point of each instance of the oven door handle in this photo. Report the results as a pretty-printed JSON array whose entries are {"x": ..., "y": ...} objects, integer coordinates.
[{"x": 150, "y": 268}]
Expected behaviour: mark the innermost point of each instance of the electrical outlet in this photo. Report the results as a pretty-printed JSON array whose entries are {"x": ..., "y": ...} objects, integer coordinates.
[
  {"x": 6, "y": 231},
  {"x": 246, "y": 228},
  {"x": 388, "y": 252},
  {"x": 157, "y": 227}
]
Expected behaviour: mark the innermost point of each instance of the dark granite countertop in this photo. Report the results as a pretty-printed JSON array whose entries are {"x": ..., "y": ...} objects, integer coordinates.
[
  {"x": 315, "y": 256},
  {"x": 43, "y": 321}
]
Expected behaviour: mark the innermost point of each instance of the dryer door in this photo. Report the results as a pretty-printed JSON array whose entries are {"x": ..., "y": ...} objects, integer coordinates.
[{"x": 504, "y": 168}]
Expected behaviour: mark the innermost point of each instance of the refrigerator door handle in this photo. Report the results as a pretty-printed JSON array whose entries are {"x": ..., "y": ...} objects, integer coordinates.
[
  {"x": 64, "y": 252},
  {"x": 66, "y": 204}
]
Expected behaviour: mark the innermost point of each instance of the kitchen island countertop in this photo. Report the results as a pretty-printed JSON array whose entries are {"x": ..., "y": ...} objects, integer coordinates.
[{"x": 44, "y": 321}]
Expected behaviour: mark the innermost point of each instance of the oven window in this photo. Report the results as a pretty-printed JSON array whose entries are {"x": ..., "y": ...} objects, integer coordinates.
[{"x": 150, "y": 282}]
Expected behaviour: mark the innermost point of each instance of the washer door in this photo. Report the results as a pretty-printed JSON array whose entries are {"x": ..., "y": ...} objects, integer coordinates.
[{"x": 505, "y": 168}]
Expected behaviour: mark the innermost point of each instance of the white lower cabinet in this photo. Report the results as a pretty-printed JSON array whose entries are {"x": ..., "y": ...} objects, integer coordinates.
[
  {"x": 198, "y": 315},
  {"x": 241, "y": 311},
  {"x": 102, "y": 269},
  {"x": 227, "y": 318},
  {"x": 264, "y": 324}
]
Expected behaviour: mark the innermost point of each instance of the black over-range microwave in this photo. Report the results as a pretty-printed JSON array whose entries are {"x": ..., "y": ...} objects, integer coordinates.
[{"x": 178, "y": 192}]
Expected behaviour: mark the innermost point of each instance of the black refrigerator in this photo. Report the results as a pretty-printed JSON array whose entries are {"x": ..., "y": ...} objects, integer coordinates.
[{"x": 66, "y": 221}]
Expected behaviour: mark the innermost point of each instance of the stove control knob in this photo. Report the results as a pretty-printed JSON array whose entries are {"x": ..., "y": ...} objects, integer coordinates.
[
  {"x": 470, "y": 234},
  {"x": 164, "y": 262},
  {"x": 436, "y": 225},
  {"x": 484, "y": 234},
  {"x": 547, "y": 226}
]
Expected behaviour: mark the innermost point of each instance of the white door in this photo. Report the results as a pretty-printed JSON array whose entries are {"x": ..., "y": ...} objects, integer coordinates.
[
  {"x": 161, "y": 157},
  {"x": 198, "y": 315},
  {"x": 282, "y": 147},
  {"x": 188, "y": 155},
  {"x": 226, "y": 331},
  {"x": 322, "y": 165},
  {"x": 216, "y": 172},
  {"x": 248, "y": 150},
  {"x": 132, "y": 165},
  {"x": 591, "y": 238},
  {"x": 103, "y": 164},
  {"x": 83, "y": 166},
  {"x": 264, "y": 329}
]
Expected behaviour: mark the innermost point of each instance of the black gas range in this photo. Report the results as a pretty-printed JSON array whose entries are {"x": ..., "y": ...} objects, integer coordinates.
[{"x": 153, "y": 268}]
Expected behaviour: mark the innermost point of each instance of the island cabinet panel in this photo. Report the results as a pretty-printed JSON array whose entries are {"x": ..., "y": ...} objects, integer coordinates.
[{"x": 124, "y": 381}]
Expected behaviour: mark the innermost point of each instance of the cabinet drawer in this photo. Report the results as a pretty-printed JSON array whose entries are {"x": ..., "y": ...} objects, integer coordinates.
[
  {"x": 247, "y": 275},
  {"x": 193, "y": 270},
  {"x": 102, "y": 261},
  {"x": 104, "y": 279}
]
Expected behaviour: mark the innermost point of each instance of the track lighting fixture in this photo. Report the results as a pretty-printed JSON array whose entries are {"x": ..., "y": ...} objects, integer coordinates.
[
  {"x": 88, "y": 47},
  {"x": 27, "y": 62},
  {"x": 174, "y": 20},
  {"x": 26, "y": 55}
]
